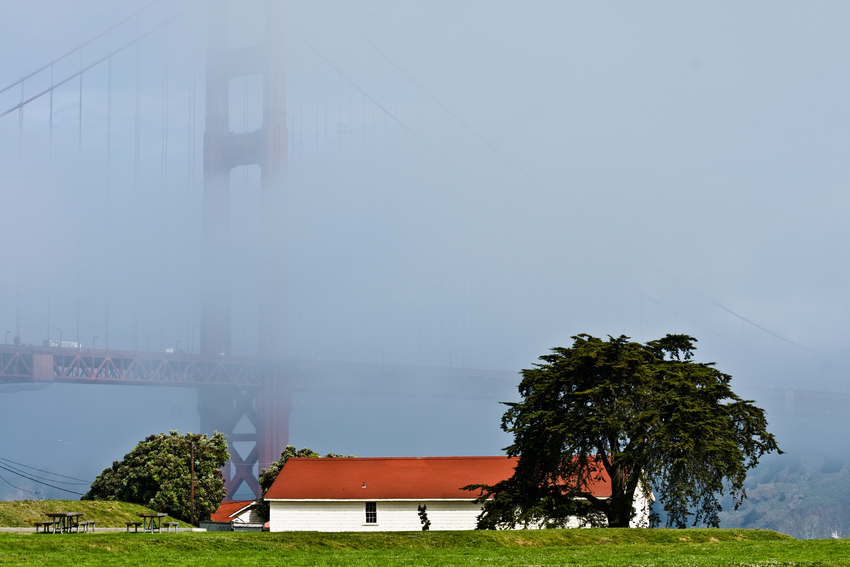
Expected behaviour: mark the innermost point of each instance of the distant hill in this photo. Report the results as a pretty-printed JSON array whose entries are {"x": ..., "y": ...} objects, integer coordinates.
[
  {"x": 803, "y": 497},
  {"x": 107, "y": 514}
]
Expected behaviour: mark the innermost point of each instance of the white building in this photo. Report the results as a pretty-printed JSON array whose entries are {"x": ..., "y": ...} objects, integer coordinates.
[
  {"x": 237, "y": 511},
  {"x": 384, "y": 494}
]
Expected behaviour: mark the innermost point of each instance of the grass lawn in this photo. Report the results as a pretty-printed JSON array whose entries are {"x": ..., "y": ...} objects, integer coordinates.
[
  {"x": 549, "y": 547},
  {"x": 107, "y": 514}
]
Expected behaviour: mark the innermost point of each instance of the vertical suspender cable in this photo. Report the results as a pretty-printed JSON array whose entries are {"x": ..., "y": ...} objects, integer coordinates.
[
  {"x": 136, "y": 228},
  {"x": 164, "y": 201},
  {"x": 79, "y": 190},
  {"x": 21, "y": 125},
  {"x": 372, "y": 174},
  {"x": 352, "y": 222},
  {"x": 50, "y": 198},
  {"x": 50, "y": 140},
  {"x": 363, "y": 184},
  {"x": 18, "y": 247},
  {"x": 300, "y": 173},
  {"x": 191, "y": 262},
  {"x": 243, "y": 344},
  {"x": 315, "y": 333},
  {"x": 108, "y": 189},
  {"x": 340, "y": 252},
  {"x": 327, "y": 149}
]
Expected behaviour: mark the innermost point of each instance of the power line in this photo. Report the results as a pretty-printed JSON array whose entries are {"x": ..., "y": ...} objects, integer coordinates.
[
  {"x": 18, "y": 487},
  {"x": 46, "y": 472},
  {"x": 40, "y": 482}
]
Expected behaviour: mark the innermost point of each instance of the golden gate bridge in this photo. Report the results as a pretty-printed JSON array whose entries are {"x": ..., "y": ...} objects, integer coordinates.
[{"x": 215, "y": 167}]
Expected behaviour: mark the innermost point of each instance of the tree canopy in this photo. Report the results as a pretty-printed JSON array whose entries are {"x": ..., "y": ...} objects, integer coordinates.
[
  {"x": 646, "y": 415},
  {"x": 157, "y": 474}
]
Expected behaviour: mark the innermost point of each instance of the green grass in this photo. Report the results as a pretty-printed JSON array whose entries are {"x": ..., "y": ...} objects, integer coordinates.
[
  {"x": 107, "y": 514},
  {"x": 594, "y": 547}
]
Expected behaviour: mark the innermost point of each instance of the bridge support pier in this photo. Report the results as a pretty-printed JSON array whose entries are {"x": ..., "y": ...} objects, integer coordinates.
[
  {"x": 267, "y": 408},
  {"x": 274, "y": 404}
]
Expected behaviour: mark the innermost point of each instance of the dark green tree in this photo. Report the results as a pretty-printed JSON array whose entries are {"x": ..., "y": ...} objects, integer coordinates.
[
  {"x": 268, "y": 476},
  {"x": 646, "y": 415},
  {"x": 157, "y": 474},
  {"x": 423, "y": 517}
]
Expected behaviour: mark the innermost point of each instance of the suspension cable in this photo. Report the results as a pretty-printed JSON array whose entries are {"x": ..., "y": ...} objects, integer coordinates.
[
  {"x": 79, "y": 47},
  {"x": 92, "y": 65}
]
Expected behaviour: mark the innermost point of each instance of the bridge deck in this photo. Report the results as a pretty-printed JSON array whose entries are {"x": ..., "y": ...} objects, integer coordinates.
[
  {"x": 30, "y": 364},
  {"x": 22, "y": 364}
]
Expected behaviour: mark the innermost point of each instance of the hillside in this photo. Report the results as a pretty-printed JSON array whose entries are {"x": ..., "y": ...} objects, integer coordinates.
[
  {"x": 807, "y": 498},
  {"x": 107, "y": 514}
]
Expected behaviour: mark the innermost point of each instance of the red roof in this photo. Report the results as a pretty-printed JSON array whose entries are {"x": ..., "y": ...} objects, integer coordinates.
[
  {"x": 227, "y": 509},
  {"x": 392, "y": 478}
]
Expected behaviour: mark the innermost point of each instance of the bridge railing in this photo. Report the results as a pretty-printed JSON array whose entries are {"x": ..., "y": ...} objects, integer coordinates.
[
  {"x": 51, "y": 364},
  {"x": 25, "y": 364},
  {"x": 56, "y": 364}
]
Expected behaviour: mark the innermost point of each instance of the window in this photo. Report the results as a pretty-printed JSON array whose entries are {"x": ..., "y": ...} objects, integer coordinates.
[{"x": 371, "y": 512}]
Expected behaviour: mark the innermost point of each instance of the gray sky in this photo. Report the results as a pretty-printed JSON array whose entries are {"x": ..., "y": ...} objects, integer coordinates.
[{"x": 469, "y": 184}]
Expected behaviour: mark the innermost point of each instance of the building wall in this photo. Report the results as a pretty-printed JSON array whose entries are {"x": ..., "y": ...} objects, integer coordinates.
[
  {"x": 643, "y": 500},
  {"x": 248, "y": 516},
  {"x": 350, "y": 516}
]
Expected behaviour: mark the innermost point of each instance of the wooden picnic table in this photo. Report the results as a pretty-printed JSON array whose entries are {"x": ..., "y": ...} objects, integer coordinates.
[
  {"x": 63, "y": 522},
  {"x": 152, "y": 522}
]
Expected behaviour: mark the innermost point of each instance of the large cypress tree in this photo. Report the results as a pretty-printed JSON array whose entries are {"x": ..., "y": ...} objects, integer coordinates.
[{"x": 646, "y": 415}]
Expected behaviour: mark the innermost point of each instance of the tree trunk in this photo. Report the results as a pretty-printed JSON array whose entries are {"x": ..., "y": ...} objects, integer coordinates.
[{"x": 619, "y": 513}]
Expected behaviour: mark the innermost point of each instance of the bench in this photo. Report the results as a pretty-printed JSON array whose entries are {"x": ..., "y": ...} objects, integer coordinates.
[
  {"x": 46, "y": 527},
  {"x": 85, "y": 525},
  {"x": 169, "y": 525},
  {"x": 134, "y": 524}
]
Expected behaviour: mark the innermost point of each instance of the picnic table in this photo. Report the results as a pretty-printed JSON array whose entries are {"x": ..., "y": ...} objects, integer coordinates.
[
  {"x": 151, "y": 522},
  {"x": 63, "y": 522}
]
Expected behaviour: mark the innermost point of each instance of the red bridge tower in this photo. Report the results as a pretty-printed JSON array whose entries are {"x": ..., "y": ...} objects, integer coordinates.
[{"x": 268, "y": 405}]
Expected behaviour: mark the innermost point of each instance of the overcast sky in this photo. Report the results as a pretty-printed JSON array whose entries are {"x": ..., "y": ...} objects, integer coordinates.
[{"x": 470, "y": 184}]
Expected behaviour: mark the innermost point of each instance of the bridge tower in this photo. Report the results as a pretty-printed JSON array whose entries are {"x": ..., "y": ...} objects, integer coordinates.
[{"x": 268, "y": 406}]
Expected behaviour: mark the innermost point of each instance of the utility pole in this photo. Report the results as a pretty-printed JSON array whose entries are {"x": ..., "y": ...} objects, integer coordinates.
[{"x": 192, "y": 486}]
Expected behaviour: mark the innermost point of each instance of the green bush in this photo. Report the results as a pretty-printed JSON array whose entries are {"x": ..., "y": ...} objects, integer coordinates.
[{"x": 157, "y": 474}]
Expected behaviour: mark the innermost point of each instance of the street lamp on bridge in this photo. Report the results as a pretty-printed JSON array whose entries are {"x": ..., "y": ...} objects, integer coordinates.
[{"x": 6, "y": 338}]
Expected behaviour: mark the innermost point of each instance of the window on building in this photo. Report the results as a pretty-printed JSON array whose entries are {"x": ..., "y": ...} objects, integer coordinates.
[{"x": 371, "y": 512}]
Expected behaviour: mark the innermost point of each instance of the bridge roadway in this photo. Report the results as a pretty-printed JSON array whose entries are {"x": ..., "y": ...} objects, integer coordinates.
[{"x": 32, "y": 364}]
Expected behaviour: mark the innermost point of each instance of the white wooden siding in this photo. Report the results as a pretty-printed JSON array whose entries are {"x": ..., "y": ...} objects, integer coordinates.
[
  {"x": 643, "y": 500},
  {"x": 350, "y": 516},
  {"x": 394, "y": 515}
]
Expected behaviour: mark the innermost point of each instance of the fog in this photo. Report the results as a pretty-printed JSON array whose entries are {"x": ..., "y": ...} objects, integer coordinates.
[{"x": 468, "y": 185}]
